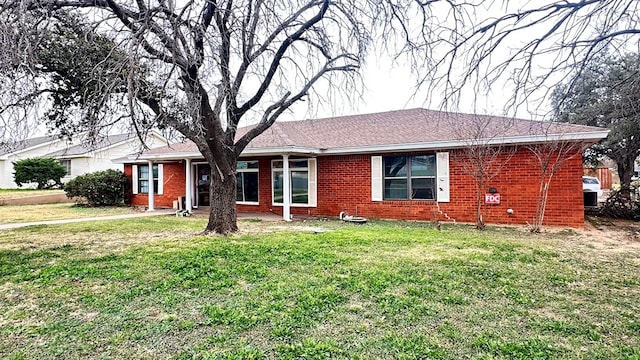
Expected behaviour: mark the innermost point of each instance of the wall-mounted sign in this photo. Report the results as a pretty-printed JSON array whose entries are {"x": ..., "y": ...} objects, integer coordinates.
[{"x": 492, "y": 198}]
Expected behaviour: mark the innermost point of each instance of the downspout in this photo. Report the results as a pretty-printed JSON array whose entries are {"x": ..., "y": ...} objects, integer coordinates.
[
  {"x": 151, "y": 187},
  {"x": 286, "y": 188},
  {"x": 187, "y": 187}
]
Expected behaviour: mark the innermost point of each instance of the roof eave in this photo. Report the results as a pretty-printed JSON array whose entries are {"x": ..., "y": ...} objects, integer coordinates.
[
  {"x": 248, "y": 152},
  {"x": 279, "y": 151},
  {"x": 72, "y": 156}
]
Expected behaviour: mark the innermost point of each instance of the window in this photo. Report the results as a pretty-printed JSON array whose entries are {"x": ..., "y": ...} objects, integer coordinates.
[
  {"x": 247, "y": 182},
  {"x": 143, "y": 179},
  {"x": 410, "y": 177},
  {"x": 67, "y": 165},
  {"x": 302, "y": 181},
  {"x": 140, "y": 179}
]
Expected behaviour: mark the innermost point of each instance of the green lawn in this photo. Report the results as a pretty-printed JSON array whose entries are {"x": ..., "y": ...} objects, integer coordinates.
[
  {"x": 148, "y": 288},
  {"x": 30, "y": 213}
]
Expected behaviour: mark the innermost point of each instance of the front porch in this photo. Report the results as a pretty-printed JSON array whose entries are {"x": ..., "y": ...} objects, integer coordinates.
[{"x": 270, "y": 185}]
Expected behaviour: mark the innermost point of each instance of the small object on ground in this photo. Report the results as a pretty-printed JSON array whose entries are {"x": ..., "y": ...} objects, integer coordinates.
[
  {"x": 352, "y": 219},
  {"x": 318, "y": 231},
  {"x": 183, "y": 213}
]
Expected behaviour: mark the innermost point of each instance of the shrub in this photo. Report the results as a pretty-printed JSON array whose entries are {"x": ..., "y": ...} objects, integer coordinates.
[
  {"x": 47, "y": 172},
  {"x": 100, "y": 188}
]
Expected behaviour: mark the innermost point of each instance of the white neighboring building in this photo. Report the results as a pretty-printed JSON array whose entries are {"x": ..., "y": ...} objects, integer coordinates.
[{"x": 79, "y": 159}]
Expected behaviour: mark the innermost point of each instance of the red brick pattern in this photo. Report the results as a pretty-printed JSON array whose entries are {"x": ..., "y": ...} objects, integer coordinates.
[
  {"x": 173, "y": 185},
  {"x": 344, "y": 184}
]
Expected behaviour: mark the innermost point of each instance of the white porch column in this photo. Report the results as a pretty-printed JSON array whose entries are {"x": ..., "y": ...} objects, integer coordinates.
[
  {"x": 286, "y": 189},
  {"x": 151, "y": 186},
  {"x": 187, "y": 187}
]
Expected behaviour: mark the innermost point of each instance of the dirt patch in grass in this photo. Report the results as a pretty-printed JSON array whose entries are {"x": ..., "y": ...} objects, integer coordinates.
[
  {"x": 614, "y": 229},
  {"x": 609, "y": 236}
]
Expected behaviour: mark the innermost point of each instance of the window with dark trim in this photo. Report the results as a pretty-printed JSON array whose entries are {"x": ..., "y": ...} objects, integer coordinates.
[
  {"x": 410, "y": 177},
  {"x": 143, "y": 179},
  {"x": 247, "y": 182}
]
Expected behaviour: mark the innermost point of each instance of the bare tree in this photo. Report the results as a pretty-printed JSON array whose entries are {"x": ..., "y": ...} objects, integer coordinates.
[
  {"x": 195, "y": 66},
  {"x": 483, "y": 155},
  {"x": 549, "y": 158},
  {"x": 528, "y": 45}
]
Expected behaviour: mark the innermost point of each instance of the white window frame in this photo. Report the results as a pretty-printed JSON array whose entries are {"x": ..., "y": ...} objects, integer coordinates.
[
  {"x": 247, "y": 170},
  {"x": 135, "y": 179},
  {"x": 312, "y": 176},
  {"x": 442, "y": 179}
]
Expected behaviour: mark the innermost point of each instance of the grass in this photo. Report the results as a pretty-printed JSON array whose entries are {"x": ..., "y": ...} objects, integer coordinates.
[
  {"x": 148, "y": 288},
  {"x": 21, "y": 193},
  {"x": 31, "y": 213}
]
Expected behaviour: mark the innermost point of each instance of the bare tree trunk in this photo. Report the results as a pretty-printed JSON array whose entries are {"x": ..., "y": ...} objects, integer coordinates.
[
  {"x": 480, "y": 225},
  {"x": 222, "y": 195},
  {"x": 545, "y": 197},
  {"x": 541, "y": 203}
]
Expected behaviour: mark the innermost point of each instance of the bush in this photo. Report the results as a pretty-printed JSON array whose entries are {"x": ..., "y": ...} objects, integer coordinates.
[
  {"x": 47, "y": 172},
  {"x": 100, "y": 188}
]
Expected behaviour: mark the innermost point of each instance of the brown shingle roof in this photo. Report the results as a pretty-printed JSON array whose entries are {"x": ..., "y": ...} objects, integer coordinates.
[{"x": 413, "y": 126}]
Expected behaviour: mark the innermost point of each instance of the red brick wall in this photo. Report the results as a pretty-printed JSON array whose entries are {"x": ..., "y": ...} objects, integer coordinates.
[
  {"x": 349, "y": 188},
  {"x": 173, "y": 183},
  {"x": 344, "y": 184},
  {"x": 518, "y": 184}
]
